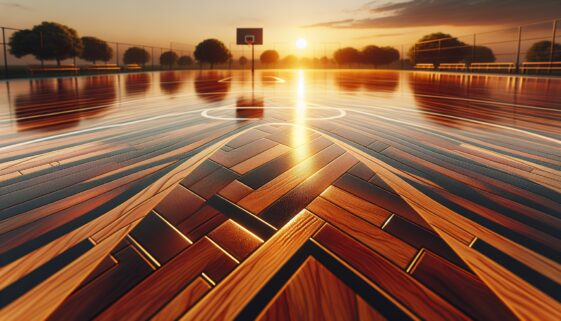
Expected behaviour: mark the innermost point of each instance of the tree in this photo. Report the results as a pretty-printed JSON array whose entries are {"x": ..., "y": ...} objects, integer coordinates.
[
  {"x": 482, "y": 54},
  {"x": 95, "y": 49},
  {"x": 347, "y": 56},
  {"x": 289, "y": 61},
  {"x": 541, "y": 51},
  {"x": 168, "y": 58},
  {"x": 46, "y": 41},
  {"x": 371, "y": 55},
  {"x": 439, "y": 48},
  {"x": 269, "y": 57},
  {"x": 212, "y": 51},
  {"x": 242, "y": 61},
  {"x": 324, "y": 61},
  {"x": 136, "y": 55},
  {"x": 185, "y": 61}
]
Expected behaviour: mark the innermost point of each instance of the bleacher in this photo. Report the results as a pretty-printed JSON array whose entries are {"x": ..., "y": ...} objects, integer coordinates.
[
  {"x": 62, "y": 68},
  {"x": 539, "y": 67},
  {"x": 453, "y": 66},
  {"x": 102, "y": 67},
  {"x": 133, "y": 67},
  {"x": 493, "y": 66},
  {"x": 424, "y": 66}
]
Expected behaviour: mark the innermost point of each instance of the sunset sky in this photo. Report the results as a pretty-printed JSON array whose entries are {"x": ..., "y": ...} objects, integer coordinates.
[{"x": 326, "y": 24}]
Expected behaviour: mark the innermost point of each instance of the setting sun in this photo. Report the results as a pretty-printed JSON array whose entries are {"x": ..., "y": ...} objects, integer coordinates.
[{"x": 301, "y": 43}]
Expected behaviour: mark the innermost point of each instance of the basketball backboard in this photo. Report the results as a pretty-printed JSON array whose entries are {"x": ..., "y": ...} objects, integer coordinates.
[{"x": 247, "y": 36}]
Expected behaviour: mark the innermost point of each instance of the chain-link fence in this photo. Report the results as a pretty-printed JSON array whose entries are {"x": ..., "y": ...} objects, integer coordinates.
[
  {"x": 533, "y": 47},
  {"x": 12, "y": 66},
  {"x": 529, "y": 48}
]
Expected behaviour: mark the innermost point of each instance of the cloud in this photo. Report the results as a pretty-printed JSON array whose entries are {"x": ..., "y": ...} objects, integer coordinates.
[
  {"x": 420, "y": 13},
  {"x": 381, "y": 35},
  {"x": 13, "y": 5}
]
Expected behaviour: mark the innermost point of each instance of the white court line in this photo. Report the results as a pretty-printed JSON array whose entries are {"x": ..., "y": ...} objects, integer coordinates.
[
  {"x": 204, "y": 113},
  {"x": 277, "y": 80},
  {"x": 87, "y": 130}
]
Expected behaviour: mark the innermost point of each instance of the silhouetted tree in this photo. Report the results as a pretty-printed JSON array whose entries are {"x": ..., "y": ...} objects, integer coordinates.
[
  {"x": 95, "y": 49},
  {"x": 481, "y": 54},
  {"x": 541, "y": 51},
  {"x": 168, "y": 58},
  {"x": 136, "y": 55},
  {"x": 242, "y": 61},
  {"x": 378, "y": 56},
  {"x": 347, "y": 56},
  {"x": 46, "y": 41},
  {"x": 185, "y": 61},
  {"x": 269, "y": 57},
  {"x": 439, "y": 48},
  {"x": 289, "y": 61},
  {"x": 324, "y": 61},
  {"x": 212, "y": 51}
]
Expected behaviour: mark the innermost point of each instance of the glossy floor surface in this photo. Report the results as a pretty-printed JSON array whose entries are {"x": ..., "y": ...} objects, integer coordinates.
[{"x": 301, "y": 195}]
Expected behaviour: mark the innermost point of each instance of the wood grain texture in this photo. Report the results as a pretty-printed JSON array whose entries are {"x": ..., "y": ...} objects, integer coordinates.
[
  {"x": 229, "y": 297},
  {"x": 439, "y": 180},
  {"x": 313, "y": 293},
  {"x": 161, "y": 286}
]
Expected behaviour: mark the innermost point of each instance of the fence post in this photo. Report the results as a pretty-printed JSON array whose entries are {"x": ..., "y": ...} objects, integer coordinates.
[
  {"x": 473, "y": 50},
  {"x": 552, "y": 51},
  {"x": 518, "y": 50},
  {"x": 5, "y": 52},
  {"x": 41, "y": 39},
  {"x": 402, "y": 58},
  {"x": 438, "y": 57}
]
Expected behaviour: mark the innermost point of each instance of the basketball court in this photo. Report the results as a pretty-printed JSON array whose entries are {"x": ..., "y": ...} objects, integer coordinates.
[{"x": 341, "y": 194}]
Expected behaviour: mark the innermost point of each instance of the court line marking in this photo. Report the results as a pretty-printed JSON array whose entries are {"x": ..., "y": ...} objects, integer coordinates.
[
  {"x": 343, "y": 112},
  {"x": 367, "y": 95},
  {"x": 204, "y": 113},
  {"x": 277, "y": 80}
]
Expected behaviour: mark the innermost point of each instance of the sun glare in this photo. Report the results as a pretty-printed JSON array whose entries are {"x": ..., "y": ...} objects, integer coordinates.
[{"x": 301, "y": 43}]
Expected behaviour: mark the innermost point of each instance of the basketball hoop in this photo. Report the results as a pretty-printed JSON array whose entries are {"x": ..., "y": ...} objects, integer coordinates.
[{"x": 249, "y": 39}]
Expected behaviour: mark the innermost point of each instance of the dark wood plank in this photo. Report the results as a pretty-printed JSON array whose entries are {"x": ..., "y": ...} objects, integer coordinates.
[{"x": 418, "y": 298}]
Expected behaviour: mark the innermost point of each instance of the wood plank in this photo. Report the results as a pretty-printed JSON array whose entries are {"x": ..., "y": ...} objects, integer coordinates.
[
  {"x": 183, "y": 301},
  {"x": 367, "y": 211},
  {"x": 101, "y": 292},
  {"x": 179, "y": 204},
  {"x": 387, "y": 245},
  {"x": 292, "y": 202},
  {"x": 416, "y": 297},
  {"x": 42, "y": 300},
  {"x": 260, "y": 159},
  {"x": 235, "y": 239},
  {"x": 240, "y": 154},
  {"x": 313, "y": 293},
  {"x": 167, "y": 282},
  {"x": 159, "y": 238},
  {"x": 268, "y": 193},
  {"x": 463, "y": 289},
  {"x": 235, "y": 191},
  {"x": 366, "y": 312},
  {"x": 231, "y": 295}
]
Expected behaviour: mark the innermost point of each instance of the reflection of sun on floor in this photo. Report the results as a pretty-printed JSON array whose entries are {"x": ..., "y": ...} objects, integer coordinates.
[{"x": 475, "y": 156}]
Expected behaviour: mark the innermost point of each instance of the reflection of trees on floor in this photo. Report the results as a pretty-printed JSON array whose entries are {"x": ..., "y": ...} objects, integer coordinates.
[
  {"x": 53, "y": 104},
  {"x": 209, "y": 87},
  {"x": 137, "y": 83}
]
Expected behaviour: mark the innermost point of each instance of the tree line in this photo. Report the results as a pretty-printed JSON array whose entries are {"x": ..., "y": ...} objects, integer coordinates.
[{"x": 54, "y": 41}]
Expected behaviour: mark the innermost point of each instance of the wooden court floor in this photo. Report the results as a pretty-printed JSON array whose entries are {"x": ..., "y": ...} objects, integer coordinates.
[{"x": 303, "y": 195}]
